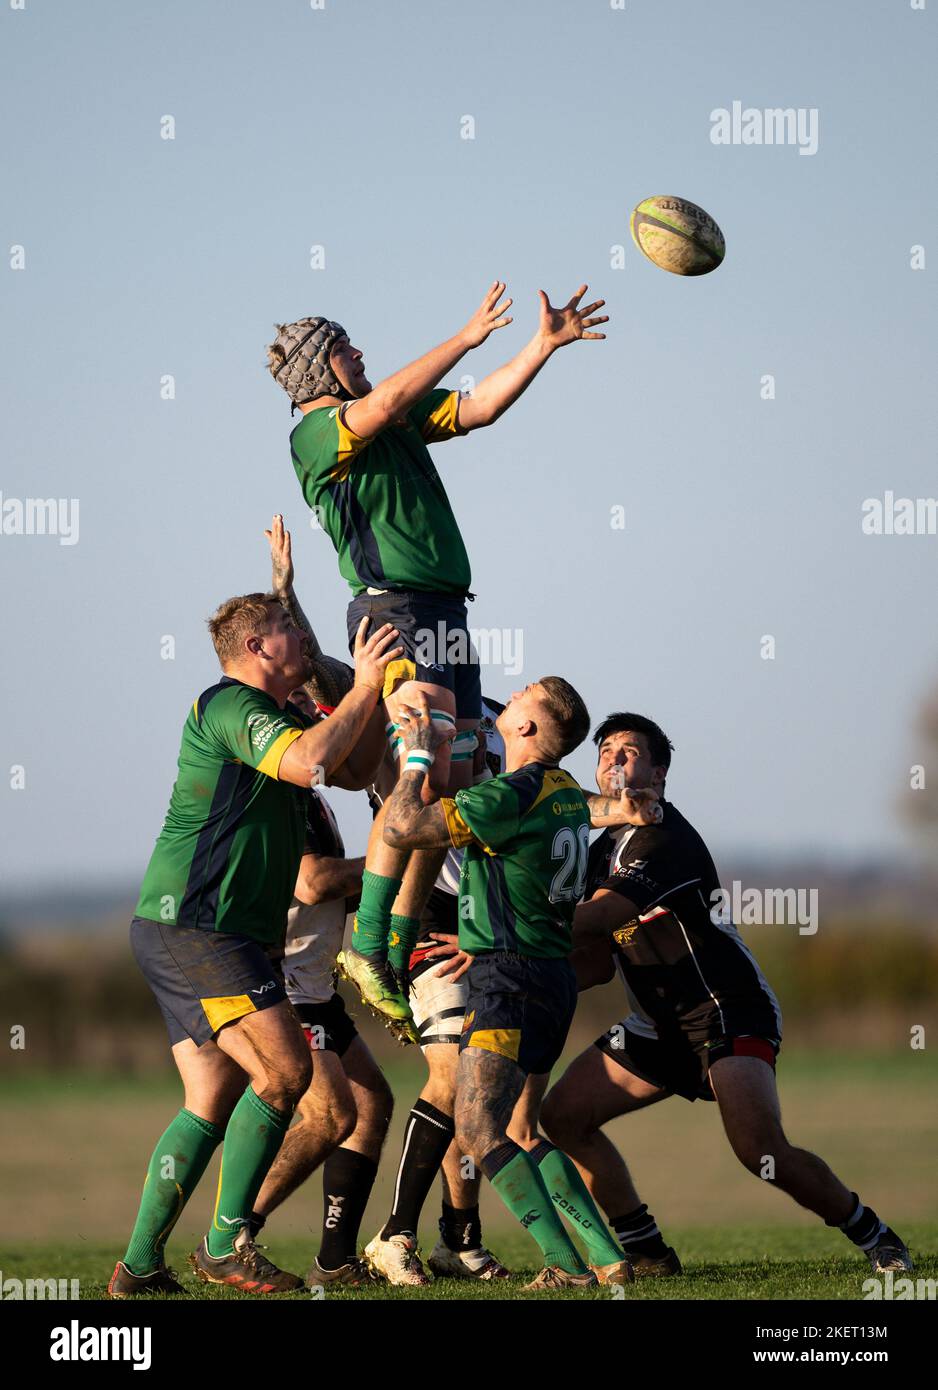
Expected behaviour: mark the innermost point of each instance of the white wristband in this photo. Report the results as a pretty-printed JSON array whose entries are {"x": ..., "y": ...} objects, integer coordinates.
[{"x": 418, "y": 761}]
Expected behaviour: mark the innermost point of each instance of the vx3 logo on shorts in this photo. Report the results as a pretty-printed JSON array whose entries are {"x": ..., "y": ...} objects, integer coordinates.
[{"x": 271, "y": 984}]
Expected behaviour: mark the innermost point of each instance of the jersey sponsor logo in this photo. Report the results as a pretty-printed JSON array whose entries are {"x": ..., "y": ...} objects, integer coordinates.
[
  {"x": 624, "y": 935},
  {"x": 262, "y": 729},
  {"x": 633, "y": 871}
]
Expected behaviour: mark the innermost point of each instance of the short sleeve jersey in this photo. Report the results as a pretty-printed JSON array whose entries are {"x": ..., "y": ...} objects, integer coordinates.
[
  {"x": 526, "y": 835},
  {"x": 381, "y": 500},
  {"x": 227, "y": 856},
  {"x": 678, "y": 958}
]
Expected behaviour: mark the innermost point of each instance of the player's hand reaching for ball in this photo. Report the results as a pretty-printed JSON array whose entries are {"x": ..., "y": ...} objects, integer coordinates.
[
  {"x": 568, "y": 323},
  {"x": 371, "y": 657},
  {"x": 488, "y": 316}
]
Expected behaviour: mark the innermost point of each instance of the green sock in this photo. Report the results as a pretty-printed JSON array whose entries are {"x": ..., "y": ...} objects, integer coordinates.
[
  {"x": 402, "y": 939},
  {"x": 373, "y": 918},
  {"x": 516, "y": 1179},
  {"x": 178, "y": 1162},
  {"x": 252, "y": 1139},
  {"x": 570, "y": 1194}
]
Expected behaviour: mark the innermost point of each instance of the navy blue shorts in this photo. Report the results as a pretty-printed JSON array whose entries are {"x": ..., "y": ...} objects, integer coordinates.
[
  {"x": 435, "y": 637},
  {"x": 203, "y": 980},
  {"x": 520, "y": 1007}
]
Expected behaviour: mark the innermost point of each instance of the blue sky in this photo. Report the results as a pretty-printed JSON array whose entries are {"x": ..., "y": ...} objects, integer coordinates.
[{"x": 340, "y": 127}]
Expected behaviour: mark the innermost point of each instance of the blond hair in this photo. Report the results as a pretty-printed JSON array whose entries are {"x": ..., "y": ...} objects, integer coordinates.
[{"x": 236, "y": 620}]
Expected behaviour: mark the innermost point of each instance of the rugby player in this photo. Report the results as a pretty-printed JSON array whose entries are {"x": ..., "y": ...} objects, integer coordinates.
[
  {"x": 210, "y": 922},
  {"x": 438, "y": 998},
  {"x": 342, "y": 1119},
  {"x": 360, "y": 454},
  {"x": 703, "y": 1022},
  {"x": 526, "y": 835}
]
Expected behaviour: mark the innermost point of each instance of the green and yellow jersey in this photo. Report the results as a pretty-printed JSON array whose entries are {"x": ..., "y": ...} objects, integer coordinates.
[
  {"x": 381, "y": 500},
  {"x": 526, "y": 835},
  {"x": 227, "y": 856}
]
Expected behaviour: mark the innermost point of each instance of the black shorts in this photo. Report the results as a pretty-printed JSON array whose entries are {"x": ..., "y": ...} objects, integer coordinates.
[
  {"x": 676, "y": 1064},
  {"x": 202, "y": 979},
  {"x": 440, "y": 914},
  {"x": 328, "y": 1027},
  {"x": 434, "y": 634},
  {"x": 520, "y": 1007}
]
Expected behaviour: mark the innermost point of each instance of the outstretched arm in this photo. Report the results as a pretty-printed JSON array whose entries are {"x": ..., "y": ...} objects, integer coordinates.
[
  {"x": 332, "y": 678},
  {"x": 394, "y": 396},
  {"x": 558, "y": 327},
  {"x": 633, "y": 806}
]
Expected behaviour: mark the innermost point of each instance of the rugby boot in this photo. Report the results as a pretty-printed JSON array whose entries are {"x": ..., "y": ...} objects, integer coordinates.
[
  {"x": 396, "y": 1259},
  {"x": 245, "y": 1268},
  {"x": 481, "y": 1264},
  {"x": 553, "y": 1277},
  {"x": 375, "y": 982},
  {"x": 125, "y": 1284},
  {"x": 889, "y": 1252}
]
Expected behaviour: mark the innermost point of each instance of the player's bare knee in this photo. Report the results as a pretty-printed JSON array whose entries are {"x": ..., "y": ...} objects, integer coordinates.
[
  {"x": 762, "y": 1154},
  {"x": 289, "y": 1081},
  {"x": 558, "y": 1122}
]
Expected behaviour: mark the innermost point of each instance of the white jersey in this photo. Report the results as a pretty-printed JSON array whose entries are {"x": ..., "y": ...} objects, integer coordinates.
[{"x": 314, "y": 933}]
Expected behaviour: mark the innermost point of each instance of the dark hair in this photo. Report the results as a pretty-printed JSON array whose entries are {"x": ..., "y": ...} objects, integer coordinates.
[
  {"x": 568, "y": 715},
  {"x": 660, "y": 746}
]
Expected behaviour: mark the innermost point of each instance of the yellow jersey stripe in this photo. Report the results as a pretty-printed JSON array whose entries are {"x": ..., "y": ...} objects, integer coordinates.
[
  {"x": 443, "y": 422},
  {"x": 270, "y": 762},
  {"x": 459, "y": 832}
]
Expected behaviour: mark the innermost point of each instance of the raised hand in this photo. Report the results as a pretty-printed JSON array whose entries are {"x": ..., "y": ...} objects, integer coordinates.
[
  {"x": 281, "y": 556},
  {"x": 566, "y": 324},
  {"x": 488, "y": 316}
]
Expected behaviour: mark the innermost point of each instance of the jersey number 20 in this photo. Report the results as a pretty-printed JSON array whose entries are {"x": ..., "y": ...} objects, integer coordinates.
[{"x": 572, "y": 847}]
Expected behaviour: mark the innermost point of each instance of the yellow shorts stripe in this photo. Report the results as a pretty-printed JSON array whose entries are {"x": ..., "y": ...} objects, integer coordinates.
[
  {"x": 226, "y": 1007},
  {"x": 399, "y": 670},
  {"x": 505, "y": 1041}
]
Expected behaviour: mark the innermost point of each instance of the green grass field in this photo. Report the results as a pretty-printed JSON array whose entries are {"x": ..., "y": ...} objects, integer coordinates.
[
  {"x": 74, "y": 1151},
  {"x": 740, "y": 1262}
]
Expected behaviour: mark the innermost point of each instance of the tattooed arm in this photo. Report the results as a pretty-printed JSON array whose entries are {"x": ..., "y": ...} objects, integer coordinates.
[
  {"x": 632, "y": 806},
  {"x": 332, "y": 678},
  {"x": 408, "y": 823}
]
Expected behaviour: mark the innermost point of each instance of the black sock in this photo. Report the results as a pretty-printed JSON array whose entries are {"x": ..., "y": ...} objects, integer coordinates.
[
  {"x": 255, "y": 1224},
  {"x": 428, "y": 1136},
  {"x": 638, "y": 1233},
  {"x": 461, "y": 1228},
  {"x": 347, "y": 1180},
  {"x": 863, "y": 1227}
]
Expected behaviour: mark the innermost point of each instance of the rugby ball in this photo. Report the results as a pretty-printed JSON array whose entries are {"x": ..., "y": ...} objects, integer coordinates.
[{"x": 677, "y": 235}]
